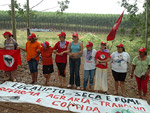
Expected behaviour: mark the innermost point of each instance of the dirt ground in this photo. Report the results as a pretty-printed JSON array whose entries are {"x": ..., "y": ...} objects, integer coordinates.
[{"x": 23, "y": 75}]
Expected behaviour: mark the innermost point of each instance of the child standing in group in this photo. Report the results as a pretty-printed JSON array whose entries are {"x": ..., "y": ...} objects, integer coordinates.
[
  {"x": 46, "y": 53},
  {"x": 32, "y": 49},
  {"x": 102, "y": 57},
  {"x": 89, "y": 64}
]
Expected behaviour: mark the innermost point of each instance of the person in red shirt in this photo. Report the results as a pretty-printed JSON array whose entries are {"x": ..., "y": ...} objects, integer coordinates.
[
  {"x": 60, "y": 49},
  {"x": 32, "y": 49},
  {"x": 101, "y": 58},
  {"x": 46, "y": 53}
]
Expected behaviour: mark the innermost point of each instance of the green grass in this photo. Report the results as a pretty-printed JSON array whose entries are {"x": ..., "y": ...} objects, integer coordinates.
[{"x": 130, "y": 46}]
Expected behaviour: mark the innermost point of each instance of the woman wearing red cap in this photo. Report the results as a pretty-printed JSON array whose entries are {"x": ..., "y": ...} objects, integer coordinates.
[
  {"x": 102, "y": 57},
  {"x": 10, "y": 44},
  {"x": 89, "y": 65},
  {"x": 32, "y": 49},
  {"x": 141, "y": 69},
  {"x": 60, "y": 49},
  {"x": 75, "y": 50},
  {"x": 119, "y": 60},
  {"x": 46, "y": 53}
]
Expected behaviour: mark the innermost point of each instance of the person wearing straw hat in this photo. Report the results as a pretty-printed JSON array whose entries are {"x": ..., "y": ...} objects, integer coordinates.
[
  {"x": 141, "y": 70},
  {"x": 119, "y": 61},
  {"x": 46, "y": 53},
  {"x": 32, "y": 48},
  {"x": 102, "y": 57}
]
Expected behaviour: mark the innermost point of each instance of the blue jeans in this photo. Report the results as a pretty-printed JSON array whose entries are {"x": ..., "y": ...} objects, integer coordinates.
[
  {"x": 74, "y": 70},
  {"x": 33, "y": 64},
  {"x": 88, "y": 73}
]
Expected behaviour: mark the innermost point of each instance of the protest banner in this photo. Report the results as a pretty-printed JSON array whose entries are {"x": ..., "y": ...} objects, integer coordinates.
[{"x": 70, "y": 100}]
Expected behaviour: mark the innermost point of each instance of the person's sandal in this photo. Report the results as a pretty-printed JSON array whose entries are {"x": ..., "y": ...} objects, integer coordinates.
[
  {"x": 69, "y": 86},
  {"x": 78, "y": 88},
  {"x": 14, "y": 80}
]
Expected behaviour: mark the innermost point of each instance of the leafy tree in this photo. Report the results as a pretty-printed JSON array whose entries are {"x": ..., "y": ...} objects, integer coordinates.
[
  {"x": 63, "y": 6},
  {"x": 138, "y": 20},
  {"x": 20, "y": 12}
]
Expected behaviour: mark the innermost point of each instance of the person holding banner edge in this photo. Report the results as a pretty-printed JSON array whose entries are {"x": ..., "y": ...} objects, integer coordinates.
[
  {"x": 102, "y": 57},
  {"x": 119, "y": 61},
  {"x": 141, "y": 70}
]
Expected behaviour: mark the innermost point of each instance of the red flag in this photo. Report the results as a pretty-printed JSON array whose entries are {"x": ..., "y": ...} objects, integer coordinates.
[
  {"x": 112, "y": 34},
  {"x": 9, "y": 59}
]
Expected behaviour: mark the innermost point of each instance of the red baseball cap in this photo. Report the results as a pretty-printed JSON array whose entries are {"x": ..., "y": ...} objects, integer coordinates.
[
  {"x": 62, "y": 34},
  {"x": 120, "y": 45},
  {"x": 142, "y": 49},
  {"x": 45, "y": 44},
  {"x": 89, "y": 44},
  {"x": 32, "y": 36},
  {"x": 7, "y": 33},
  {"x": 75, "y": 34},
  {"x": 103, "y": 43}
]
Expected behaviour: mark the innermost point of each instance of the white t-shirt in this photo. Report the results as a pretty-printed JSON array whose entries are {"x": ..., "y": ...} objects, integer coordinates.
[
  {"x": 89, "y": 64},
  {"x": 119, "y": 61}
]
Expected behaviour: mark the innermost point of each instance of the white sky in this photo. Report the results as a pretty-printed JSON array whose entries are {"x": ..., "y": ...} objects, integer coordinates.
[{"x": 77, "y": 6}]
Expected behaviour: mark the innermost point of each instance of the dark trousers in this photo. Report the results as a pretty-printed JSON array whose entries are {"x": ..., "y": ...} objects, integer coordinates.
[{"x": 74, "y": 71}]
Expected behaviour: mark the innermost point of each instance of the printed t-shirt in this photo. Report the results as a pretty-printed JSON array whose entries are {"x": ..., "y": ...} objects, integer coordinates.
[
  {"x": 119, "y": 61},
  {"x": 89, "y": 64},
  {"x": 102, "y": 56}
]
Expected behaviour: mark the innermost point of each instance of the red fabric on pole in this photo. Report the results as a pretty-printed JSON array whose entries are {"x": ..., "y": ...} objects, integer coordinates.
[
  {"x": 112, "y": 34},
  {"x": 9, "y": 59}
]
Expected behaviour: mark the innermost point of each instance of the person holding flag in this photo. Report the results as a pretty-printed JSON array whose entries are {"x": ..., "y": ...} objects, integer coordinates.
[
  {"x": 101, "y": 58},
  {"x": 10, "y": 44},
  {"x": 33, "y": 51}
]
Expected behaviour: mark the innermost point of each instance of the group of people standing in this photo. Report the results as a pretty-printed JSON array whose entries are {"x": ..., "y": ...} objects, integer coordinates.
[{"x": 95, "y": 63}]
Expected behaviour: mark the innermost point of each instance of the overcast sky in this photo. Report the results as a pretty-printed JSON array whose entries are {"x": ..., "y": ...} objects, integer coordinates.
[{"x": 77, "y": 6}]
